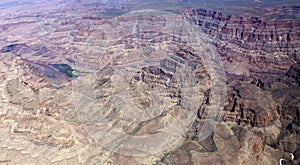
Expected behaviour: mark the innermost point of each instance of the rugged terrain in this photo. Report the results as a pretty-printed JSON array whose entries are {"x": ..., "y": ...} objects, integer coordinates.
[
  {"x": 262, "y": 53},
  {"x": 97, "y": 83}
]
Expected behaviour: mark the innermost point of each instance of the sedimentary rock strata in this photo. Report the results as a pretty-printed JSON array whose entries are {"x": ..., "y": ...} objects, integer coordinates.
[
  {"x": 263, "y": 52},
  {"x": 250, "y": 46},
  {"x": 247, "y": 104},
  {"x": 80, "y": 86}
]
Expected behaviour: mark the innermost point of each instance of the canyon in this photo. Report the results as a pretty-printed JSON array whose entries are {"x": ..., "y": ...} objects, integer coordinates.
[{"x": 96, "y": 83}]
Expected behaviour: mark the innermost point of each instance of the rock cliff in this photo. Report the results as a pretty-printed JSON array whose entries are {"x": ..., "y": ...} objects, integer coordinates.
[{"x": 252, "y": 44}]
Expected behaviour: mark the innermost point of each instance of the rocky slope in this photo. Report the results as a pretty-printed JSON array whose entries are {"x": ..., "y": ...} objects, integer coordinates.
[
  {"x": 254, "y": 45},
  {"x": 148, "y": 87},
  {"x": 263, "y": 54}
]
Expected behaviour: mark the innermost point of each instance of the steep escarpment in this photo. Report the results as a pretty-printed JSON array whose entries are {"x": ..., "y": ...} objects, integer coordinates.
[
  {"x": 247, "y": 104},
  {"x": 261, "y": 58},
  {"x": 253, "y": 44},
  {"x": 78, "y": 87}
]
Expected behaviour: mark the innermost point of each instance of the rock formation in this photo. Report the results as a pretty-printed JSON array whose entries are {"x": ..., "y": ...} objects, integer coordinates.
[
  {"x": 148, "y": 87},
  {"x": 250, "y": 46},
  {"x": 262, "y": 53}
]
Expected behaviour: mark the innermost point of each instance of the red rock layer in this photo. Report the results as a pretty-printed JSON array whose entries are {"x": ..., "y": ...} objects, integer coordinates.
[{"x": 263, "y": 43}]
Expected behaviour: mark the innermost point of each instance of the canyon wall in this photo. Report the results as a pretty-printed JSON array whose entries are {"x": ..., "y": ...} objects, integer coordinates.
[{"x": 255, "y": 45}]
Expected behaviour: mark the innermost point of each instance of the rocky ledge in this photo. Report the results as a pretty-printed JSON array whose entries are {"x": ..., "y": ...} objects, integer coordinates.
[
  {"x": 250, "y": 46},
  {"x": 261, "y": 59}
]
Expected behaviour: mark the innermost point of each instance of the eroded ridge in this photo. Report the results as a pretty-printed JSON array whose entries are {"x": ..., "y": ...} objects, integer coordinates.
[{"x": 147, "y": 82}]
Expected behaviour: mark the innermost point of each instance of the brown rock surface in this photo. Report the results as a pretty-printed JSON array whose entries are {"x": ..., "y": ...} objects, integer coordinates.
[
  {"x": 143, "y": 88},
  {"x": 252, "y": 46},
  {"x": 234, "y": 145},
  {"x": 247, "y": 104}
]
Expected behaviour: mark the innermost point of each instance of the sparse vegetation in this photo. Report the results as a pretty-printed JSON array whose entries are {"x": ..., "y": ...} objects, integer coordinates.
[{"x": 64, "y": 68}]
